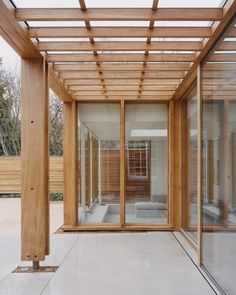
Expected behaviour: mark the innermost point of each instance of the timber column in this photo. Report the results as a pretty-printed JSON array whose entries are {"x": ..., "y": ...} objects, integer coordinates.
[
  {"x": 35, "y": 160},
  {"x": 70, "y": 165}
]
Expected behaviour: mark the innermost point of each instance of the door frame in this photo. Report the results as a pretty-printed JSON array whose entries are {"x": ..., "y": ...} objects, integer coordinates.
[{"x": 173, "y": 162}]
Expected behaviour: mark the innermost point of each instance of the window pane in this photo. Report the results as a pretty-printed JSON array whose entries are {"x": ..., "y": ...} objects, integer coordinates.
[
  {"x": 219, "y": 167},
  {"x": 146, "y": 193},
  {"x": 189, "y": 165},
  {"x": 99, "y": 162}
]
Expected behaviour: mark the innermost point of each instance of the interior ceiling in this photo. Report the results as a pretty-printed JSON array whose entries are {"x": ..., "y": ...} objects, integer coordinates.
[{"x": 132, "y": 49}]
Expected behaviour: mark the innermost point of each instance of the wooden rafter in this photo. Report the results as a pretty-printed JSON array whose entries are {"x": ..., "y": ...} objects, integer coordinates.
[
  {"x": 122, "y": 67},
  {"x": 57, "y": 86},
  {"x": 229, "y": 11},
  {"x": 120, "y": 32},
  {"x": 126, "y": 66},
  {"x": 151, "y": 27},
  {"x": 121, "y": 57},
  {"x": 122, "y": 75},
  {"x": 119, "y": 14},
  {"x": 92, "y": 42},
  {"x": 17, "y": 37},
  {"x": 13, "y": 33},
  {"x": 118, "y": 98},
  {"x": 122, "y": 46},
  {"x": 122, "y": 81}
]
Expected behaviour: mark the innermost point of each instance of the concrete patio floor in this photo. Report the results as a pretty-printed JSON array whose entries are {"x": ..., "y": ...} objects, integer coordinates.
[{"x": 98, "y": 263}]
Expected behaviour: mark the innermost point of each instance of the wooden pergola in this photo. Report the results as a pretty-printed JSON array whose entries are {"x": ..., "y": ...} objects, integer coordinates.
[{"x": 131, "y": 63}]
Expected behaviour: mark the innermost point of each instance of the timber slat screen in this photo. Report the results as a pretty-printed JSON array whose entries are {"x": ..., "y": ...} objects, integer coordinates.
[{"x": 10, "y": 175}]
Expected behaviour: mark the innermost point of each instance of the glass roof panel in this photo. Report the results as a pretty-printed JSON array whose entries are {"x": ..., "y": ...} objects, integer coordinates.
[
  {"x": 63, "y": 39},
  {"x": 192, "y": 3},
  {"x": 183, "y": 24},
  {"x": 46, "y": 3},
  {"x": 56, "y": 23},
  {"x": 119, "y": 4},
  {"x": 119, "y": 23},
  {"x": 120, "y": 39},
  {"x": 177, "y": 39}
]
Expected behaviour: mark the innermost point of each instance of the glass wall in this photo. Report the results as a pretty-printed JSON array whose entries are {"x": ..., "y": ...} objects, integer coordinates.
[
  {"x": 189, "y": 164},
  {"x": 99, "y": 162},
  {"x": 146, "y": 180},
  {"x": 219, "y": 164}
]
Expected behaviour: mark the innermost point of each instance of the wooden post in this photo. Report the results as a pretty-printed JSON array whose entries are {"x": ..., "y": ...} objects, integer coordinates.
[
  {"x": 199, "y": 166},
  {"x": 184, "y": 167},
  {"x": 35, "y": 160},
  {"x": 70, "y": 164},
  {"x": 225, "y": 163},
  {"x": 99, "y": 171},
  {"x": 122, "y": 163},
  {"x": 174, "y": 164},
  {"x": 82, "y": 172}
]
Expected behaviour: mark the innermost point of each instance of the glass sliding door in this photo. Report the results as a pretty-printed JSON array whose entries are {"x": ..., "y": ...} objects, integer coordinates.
[
  {"x": 219, "y": 166},
  {"x": 99, "y": 162},
  {"x": 189, "y": 164},
  {"x": 146, "y": 163}
]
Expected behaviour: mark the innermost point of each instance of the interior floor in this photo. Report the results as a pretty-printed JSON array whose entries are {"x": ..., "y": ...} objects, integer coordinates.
[{"x": 98, "y": 263}]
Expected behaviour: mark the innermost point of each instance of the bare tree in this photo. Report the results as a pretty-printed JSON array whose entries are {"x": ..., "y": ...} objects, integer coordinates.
[
  {"x": 56, "y": 125},
  {"x": 9, "y": 113},
  {"x": 10, "y": 116}
]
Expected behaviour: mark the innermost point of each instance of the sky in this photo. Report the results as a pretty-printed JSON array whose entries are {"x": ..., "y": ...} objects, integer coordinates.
[{"x": 11, "y": 60}]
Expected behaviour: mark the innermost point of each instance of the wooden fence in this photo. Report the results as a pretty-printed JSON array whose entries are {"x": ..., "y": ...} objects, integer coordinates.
[{"x": 10, "y": 174}]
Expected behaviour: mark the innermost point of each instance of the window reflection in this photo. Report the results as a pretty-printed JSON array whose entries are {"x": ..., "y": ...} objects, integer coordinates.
[
  {"x": 146, "y": 181},
  {"x": 189, "y": 165},
  {"x": 219, "y": 168}
]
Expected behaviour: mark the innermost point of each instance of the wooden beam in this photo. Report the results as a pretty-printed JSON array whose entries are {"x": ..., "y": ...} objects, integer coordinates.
[
  {"x": 229, "y": 11},
  {"x": 121, "y": 46},
  {"x": 227, "y": 46},
  {"x": 232, "y": 33},
  {"x": 222, "y": 57},
  {"x": 18, "y": 39},
  {"x": 70, "y": 164},
  {"x": 122, "y": 75},
  {"x": 92, "y": 42},
  {"x": 121, "y": 57},
  {"x": 122, "y": 81},
  {"x": 120, "y": 97},
  {"x": 217, "y": 81},
  {"x": 58, "y": 88},
  {"x": 124, "y": 88},
  {"x": 34, "y": 160},
  {"x": 14, "y": 34},
  {"x": 220, "y": 67},
  {"x": 218, "y": 75},
  {"x": 123, "y": 93},
  {"x": 121, "y": 67},
  {"x": 118, "y": 14},
  {"x": 120, "y": 32}
]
